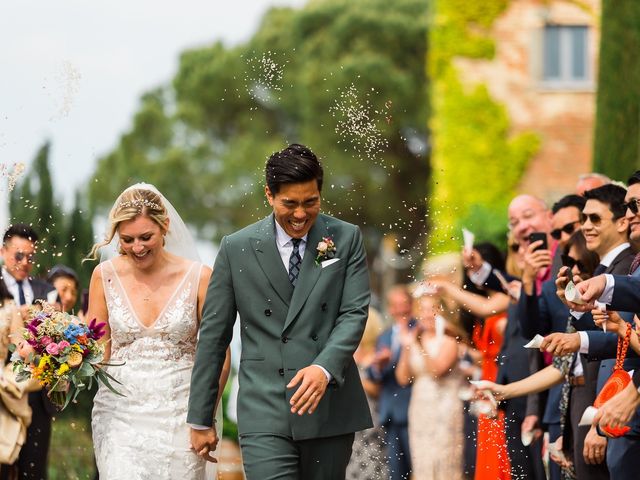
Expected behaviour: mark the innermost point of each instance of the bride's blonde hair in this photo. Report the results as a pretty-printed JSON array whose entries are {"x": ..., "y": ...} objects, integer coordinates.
[{"x": 131, "y": 204}]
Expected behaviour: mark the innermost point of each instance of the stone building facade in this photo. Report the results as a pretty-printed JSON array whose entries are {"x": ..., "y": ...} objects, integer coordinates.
[{"x": 544, "y": 73}]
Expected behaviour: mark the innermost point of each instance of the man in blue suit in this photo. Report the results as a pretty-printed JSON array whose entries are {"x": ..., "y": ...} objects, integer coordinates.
[{"x": 394, "y": 399}]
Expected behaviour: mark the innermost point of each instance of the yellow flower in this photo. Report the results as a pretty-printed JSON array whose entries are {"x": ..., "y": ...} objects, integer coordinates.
[
  {"x": 64, "y": 368},
  {"x": 44, "y": 360},
  {"x": 75, "y": 359}
]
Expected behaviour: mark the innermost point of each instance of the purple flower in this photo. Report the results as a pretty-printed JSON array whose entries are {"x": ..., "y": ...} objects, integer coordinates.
[{"x": 96, "y": 330}]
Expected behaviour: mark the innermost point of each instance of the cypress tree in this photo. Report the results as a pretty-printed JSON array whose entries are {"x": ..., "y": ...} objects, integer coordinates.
[{"x": 617, "y": 133}]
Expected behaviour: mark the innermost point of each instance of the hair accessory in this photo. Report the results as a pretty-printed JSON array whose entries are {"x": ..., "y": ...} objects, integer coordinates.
[{"x": 140, "y": 203}]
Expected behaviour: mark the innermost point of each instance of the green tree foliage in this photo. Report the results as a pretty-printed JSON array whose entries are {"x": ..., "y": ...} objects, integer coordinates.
[
  {"x": 35, "y": 205},
  {"x": 476, "y": 161},
  {"x": 346, "y": 78},
  {"x": 63, "y": 239},
  {"x": 617, "y": 134}
]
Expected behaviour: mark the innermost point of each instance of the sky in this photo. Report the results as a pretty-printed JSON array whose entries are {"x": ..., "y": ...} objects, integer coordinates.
[{"x": 72, "y": 71}]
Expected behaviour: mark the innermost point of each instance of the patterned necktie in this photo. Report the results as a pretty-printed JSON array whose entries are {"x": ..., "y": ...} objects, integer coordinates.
[
  {"x": 635, "y": 264},
  {"x": 599, "y": 269},
  {"x": 294, "y": 261},
  {"x": 22, "y": 299}
]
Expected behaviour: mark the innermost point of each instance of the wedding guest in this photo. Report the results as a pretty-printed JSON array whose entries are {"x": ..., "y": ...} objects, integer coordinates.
[
  {"x": 150, "y": 295},
  {"x": 394, "y": 398},
  {"x": 589, "y": 181},
  {"x": 10, "y": 324},
  {"x": 428, "y": 360},
  {"x": 18, "y": 252},
  {"x": 539, "y": 309},
  {"x": 65, "y": 280},
  {"x": 492, "y": 460},
  {"x": 368, "y": 459}
]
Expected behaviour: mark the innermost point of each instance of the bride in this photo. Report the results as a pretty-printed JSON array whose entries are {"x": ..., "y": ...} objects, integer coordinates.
[{"x": 151, "y": 295}]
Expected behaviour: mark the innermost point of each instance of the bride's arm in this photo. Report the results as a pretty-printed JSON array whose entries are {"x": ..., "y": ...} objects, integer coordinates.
[
  {"x": 205, "y": 276},
  {"x": 98, "y": 309}
]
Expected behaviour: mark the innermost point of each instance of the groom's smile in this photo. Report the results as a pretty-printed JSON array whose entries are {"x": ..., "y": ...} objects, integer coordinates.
[{"x": 295, "y": 206}]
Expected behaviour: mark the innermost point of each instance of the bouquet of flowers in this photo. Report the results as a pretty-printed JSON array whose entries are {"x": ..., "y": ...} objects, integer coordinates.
[{"x": 61, "y": 353}]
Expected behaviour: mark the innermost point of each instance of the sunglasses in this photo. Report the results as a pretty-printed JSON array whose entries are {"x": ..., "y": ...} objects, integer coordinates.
[
  {"x": 594, "y": 218},
  {"x": 571, "y": 262},
  {"x": 569, "y": 228},
  {"x": 19, "y": 256},
  {"x": 632, "y": 205}
]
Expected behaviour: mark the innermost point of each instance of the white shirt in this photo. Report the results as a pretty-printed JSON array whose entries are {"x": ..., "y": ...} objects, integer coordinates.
[
  {"x": 607, "y": 294},
  {"x": 285, "y": 245},
  {"x": 12, "y": 286}
]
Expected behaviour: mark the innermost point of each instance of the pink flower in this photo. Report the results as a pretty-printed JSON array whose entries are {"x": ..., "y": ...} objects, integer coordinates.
[
  {"x": 46, "y": 340},
  {"x": 63, "y": 344},
  {"x": 53, "y": 348},
  {"x": 24, "y": 349}
]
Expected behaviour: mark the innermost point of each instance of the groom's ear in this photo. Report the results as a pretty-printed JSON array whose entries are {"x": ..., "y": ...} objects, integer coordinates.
[{"x": 268, "y": 194}]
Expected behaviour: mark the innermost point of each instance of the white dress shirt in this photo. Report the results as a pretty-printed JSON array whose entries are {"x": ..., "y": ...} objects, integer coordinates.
[
  {"x": 12, "y": 286},
  {"x": 607, "y": 294}
]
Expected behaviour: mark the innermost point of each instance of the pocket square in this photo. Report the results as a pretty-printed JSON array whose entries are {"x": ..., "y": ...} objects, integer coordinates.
[{"x": 326, "y": 263}]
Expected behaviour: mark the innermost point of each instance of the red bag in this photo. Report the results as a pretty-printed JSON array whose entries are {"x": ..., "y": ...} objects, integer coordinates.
[{"x": 617, "y": 382}]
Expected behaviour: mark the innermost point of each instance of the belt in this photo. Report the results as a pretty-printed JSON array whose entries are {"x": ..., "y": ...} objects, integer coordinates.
[{"x": 576, "y": 381}]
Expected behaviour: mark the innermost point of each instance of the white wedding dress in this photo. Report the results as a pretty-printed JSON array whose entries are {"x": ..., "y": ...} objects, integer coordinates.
[{"x": 144, "y": 434}]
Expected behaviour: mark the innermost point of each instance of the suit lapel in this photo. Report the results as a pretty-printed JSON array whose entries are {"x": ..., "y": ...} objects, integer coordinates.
[
  {"x": 613, "y": 268},
  {"x": 268, "y": 256},
  {"x": 309, "y": 272}
]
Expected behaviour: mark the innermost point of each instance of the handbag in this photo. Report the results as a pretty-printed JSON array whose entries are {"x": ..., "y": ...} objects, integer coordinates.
[
  {"x": 15, "y": 417},
  {"x": 617, "y": 382}
]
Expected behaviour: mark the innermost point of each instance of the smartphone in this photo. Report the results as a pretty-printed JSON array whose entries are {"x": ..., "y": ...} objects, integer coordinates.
[{"x": 535, "y": 236}]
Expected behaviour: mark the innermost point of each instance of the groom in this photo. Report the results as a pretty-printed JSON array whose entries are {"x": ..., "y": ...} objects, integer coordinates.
[{"x": 302, "y": 311}]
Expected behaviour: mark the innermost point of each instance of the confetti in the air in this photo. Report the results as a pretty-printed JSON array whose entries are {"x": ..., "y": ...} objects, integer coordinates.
[
  {"x": 11, "y": 173},
  {"x": 357, "y": 122}
]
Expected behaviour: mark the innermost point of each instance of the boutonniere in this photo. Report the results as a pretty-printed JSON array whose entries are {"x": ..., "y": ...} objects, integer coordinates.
[{"x": 326, "y": 249}]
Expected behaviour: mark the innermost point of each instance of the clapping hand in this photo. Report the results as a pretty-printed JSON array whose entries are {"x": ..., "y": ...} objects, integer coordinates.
[{"x": 203, "y": 442}]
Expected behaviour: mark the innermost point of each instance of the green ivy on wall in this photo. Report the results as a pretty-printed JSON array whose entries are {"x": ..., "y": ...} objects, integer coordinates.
[{"x": 476, "y": 161}]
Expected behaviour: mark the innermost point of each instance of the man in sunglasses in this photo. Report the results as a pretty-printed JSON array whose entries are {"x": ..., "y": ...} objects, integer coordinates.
[{"x": 18, "y": 253}]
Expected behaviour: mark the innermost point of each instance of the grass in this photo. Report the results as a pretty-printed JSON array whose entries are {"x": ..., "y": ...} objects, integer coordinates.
[{"x": 71, "y": 453}]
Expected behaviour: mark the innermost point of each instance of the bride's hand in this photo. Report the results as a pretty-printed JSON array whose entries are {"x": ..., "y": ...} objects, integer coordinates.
[{"x": 204, "y": 442}]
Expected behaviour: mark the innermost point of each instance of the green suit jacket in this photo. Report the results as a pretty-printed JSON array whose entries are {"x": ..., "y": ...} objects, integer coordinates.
[{"x": 285, "y": 329}]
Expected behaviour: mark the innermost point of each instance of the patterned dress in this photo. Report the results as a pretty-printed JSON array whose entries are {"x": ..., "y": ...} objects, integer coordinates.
[
  {"x": 368, "y": 458},
  {"x": 435, "y": 419},
  {"x": 144, "y": 435}
]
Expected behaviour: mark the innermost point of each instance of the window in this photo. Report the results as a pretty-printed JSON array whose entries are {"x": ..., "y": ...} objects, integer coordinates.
[{"x": 565, "y": 59}]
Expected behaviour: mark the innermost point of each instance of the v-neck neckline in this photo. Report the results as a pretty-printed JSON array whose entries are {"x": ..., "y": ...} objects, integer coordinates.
[{"x": 160, "y": 315}]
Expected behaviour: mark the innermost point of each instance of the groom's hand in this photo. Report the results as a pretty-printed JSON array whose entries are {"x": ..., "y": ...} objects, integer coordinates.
[
  {"x": 203, "y": 442},
  {"x": 313, "y": 383}
]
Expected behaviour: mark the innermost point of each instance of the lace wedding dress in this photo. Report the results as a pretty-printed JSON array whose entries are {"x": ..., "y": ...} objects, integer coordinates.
[{"x": 144, "y": 434}]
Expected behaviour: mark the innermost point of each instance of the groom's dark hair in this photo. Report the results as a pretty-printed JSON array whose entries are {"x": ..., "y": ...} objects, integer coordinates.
[{"x": 294, "y": 164}]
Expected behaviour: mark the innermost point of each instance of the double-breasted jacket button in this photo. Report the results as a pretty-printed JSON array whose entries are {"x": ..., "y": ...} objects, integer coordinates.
[
  {"x": 314, "y": 337},
  {"x": 324, "y": 307},
  {"x": 267, "y": 312},
  {"x": 281, "y": 372},
  {"x": 285, "y": 339}
]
